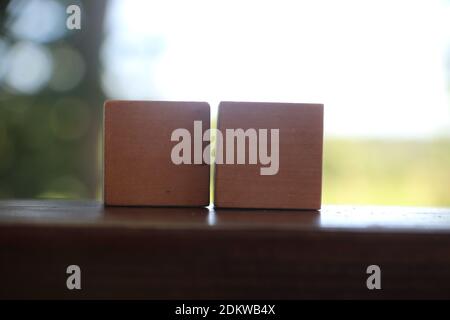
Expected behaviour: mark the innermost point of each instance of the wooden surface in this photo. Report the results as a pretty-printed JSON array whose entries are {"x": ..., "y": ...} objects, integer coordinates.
[
  {"x": 191, "y": 253},
  {"x": 138, "y": 168},
  {"x": 298, "y": 182}
]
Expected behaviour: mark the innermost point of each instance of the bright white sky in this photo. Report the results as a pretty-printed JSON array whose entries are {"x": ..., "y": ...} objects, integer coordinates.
[{"x": 380, "y": 67}]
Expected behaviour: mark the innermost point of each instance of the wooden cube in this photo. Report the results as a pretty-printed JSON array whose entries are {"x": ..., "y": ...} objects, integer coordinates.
[
  {"x": 298, "y": 181},
  {"x": 138, "y": 168}
]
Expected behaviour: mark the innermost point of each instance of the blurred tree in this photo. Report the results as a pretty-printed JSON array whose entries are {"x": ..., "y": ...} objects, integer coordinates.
[{"x": 50, "y": 99}]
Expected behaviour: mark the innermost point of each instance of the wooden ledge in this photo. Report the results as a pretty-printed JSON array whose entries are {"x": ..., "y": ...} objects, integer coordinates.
[{"x": 190, "y": 253}]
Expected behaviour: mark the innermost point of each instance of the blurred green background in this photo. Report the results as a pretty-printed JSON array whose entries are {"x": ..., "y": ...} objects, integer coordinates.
[{"x": 53, "y": 82}]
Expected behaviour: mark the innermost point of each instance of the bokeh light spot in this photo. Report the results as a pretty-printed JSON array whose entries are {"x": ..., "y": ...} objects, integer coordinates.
[
  {"x": 3, "y": 52},
  {"x": 68, "y": 70},
  {"x": 29, "y": 67},
  {"x": 38, "y": 20},
  {"x": 64, "y": 187}
]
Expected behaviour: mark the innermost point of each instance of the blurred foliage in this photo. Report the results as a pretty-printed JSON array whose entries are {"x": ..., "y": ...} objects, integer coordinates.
[
  {"x": 394, "y": 172},
  {"x": 50, "y": 99}
]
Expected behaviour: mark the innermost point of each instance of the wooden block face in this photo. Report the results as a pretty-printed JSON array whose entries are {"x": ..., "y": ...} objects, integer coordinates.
[
  {"x": 138, "y": 169},
  {"x": 298, "y": 182}
]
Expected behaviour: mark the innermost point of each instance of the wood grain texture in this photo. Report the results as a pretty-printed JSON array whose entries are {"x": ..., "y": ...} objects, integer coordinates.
[
  {"x": 193, "y": 253},
  {"x": 138, "y": 169},
  {"x": 298, "y": 183}
]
